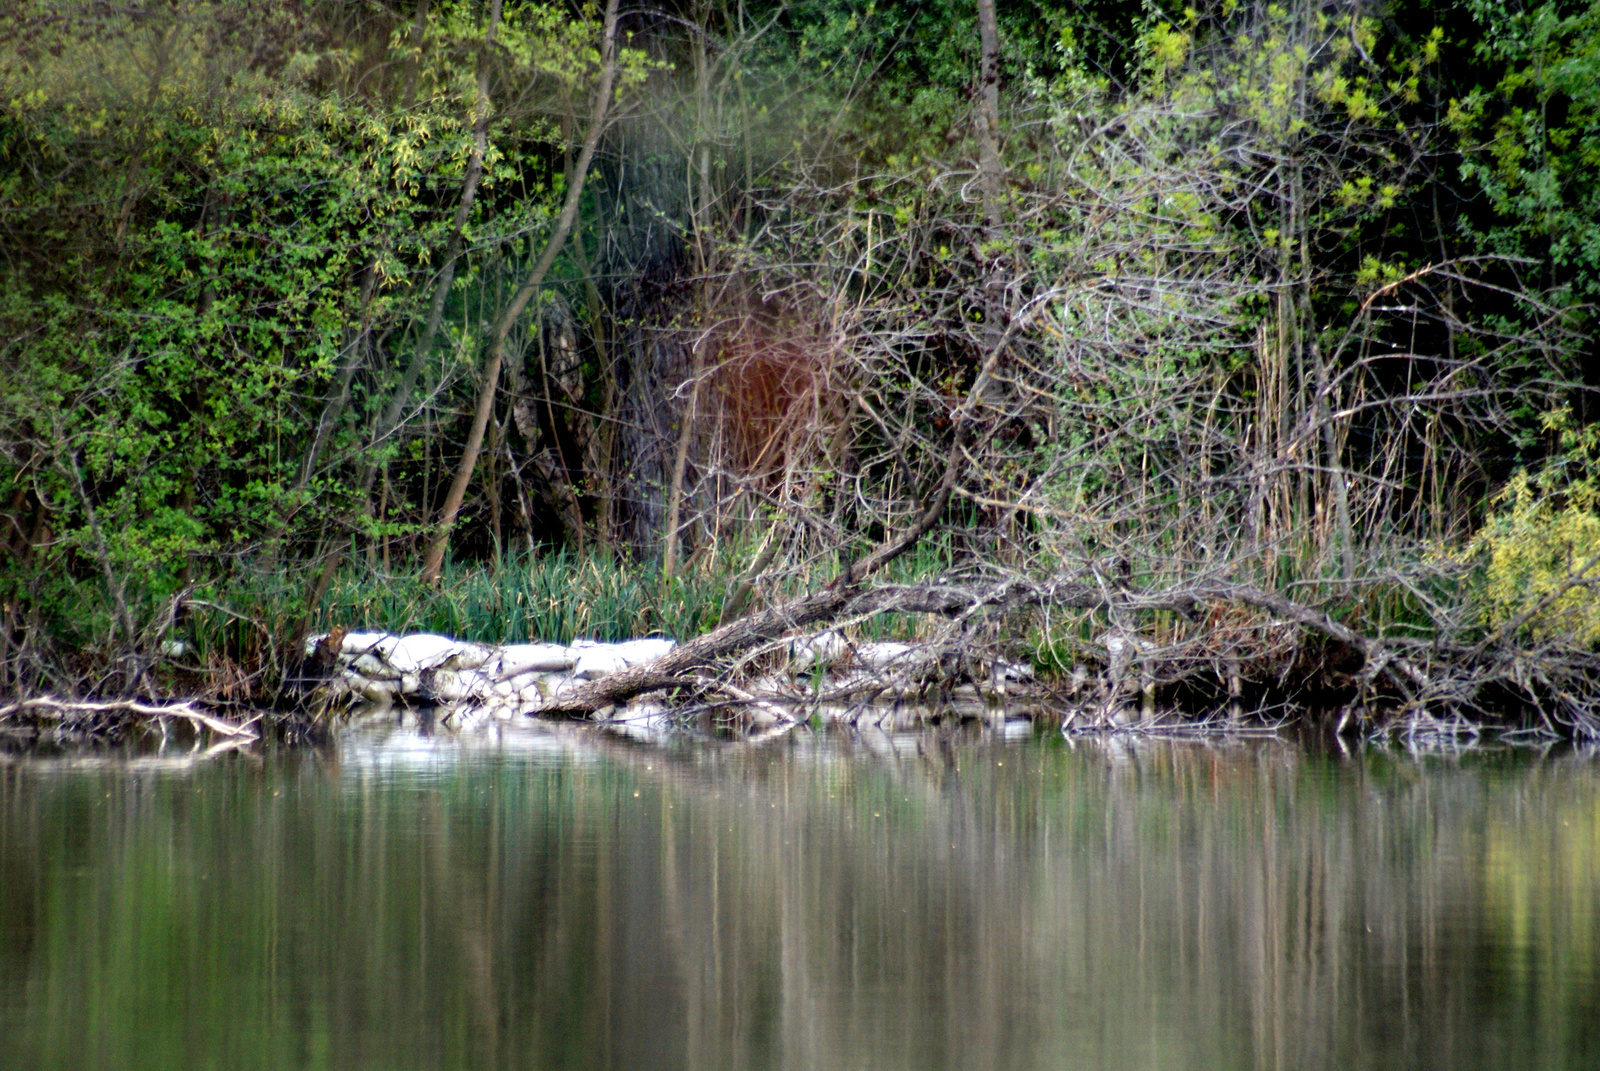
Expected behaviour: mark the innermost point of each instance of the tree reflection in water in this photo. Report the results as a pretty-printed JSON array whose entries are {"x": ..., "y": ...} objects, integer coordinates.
[{"x": 819, "y": 902}]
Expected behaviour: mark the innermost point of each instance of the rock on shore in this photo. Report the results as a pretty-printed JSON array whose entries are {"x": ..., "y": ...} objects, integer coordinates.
[{"x": 385, "y": 668}]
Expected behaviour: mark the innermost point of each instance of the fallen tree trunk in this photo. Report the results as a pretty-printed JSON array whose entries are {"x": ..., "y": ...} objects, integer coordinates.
[
  {"x": 841, "y": 600},
  {"x": 1402, "y": 674},
  {"x": 679, "y": 665}
]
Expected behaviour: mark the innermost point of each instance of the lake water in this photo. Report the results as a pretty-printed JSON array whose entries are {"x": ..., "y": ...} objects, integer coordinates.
[{"x": 563, "y": 899}]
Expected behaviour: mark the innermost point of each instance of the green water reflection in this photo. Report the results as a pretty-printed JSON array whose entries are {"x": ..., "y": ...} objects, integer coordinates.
[{"x": 818, "y": 902}]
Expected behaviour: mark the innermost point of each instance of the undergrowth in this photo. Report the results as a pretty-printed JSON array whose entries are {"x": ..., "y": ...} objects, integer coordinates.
[{"x": 252, "y": 620}]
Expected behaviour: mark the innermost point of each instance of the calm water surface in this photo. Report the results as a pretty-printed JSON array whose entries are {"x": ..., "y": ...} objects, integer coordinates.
[{"x": 565, "y": 900}]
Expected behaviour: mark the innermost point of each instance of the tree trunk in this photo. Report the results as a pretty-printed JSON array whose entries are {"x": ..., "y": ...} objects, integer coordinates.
[
  {"x": 598, "y": 459},
  {"x": 530, "y": 285},
  {"x": 680, "y": 463},
  {"x": 989, "y": 114},
  {"x": 396, "y": 408}
]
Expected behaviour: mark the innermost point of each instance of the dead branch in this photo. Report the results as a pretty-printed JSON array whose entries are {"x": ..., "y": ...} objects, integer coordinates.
[
  {"x": 1437, "y": 674},
  {"x": 67, "y": 710}
]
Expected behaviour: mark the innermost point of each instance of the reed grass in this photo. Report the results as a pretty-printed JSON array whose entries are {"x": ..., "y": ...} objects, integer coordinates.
[{"x": 555, "y": 597}]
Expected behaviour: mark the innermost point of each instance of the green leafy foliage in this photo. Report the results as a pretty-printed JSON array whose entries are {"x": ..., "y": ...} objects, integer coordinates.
[
  {"x": 1531, "y": 138},
  {"x": 223, "y": 223},
  {"x": 1540, "y": 545}
]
